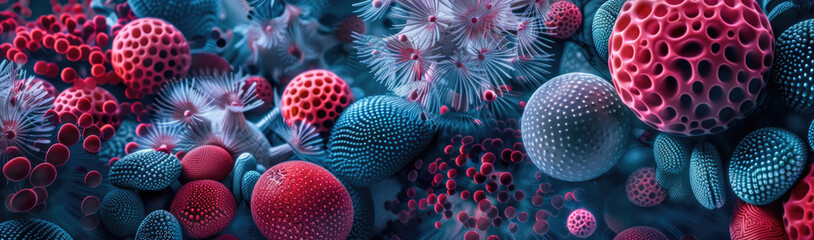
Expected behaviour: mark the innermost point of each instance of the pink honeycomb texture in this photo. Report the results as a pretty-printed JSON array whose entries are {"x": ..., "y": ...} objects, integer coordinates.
[
  {"x": 563, "y": 19},
  {"x": 642, "y": 188},
  {"x": 68, "y": 101},
  {"x": 798, "y": 216},
  {"x": 317, "y": 97},
  {"x": 581, "y": 223},
  {"x": 148, "y": 52},
  {"x": 690, "y": 67}
]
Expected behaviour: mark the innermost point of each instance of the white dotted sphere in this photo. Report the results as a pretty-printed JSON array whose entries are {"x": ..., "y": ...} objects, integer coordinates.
[{"x": 575, "y": 127}]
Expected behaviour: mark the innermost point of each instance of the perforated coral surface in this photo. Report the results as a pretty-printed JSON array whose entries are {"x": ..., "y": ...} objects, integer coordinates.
[
  {"x": 799, "y": 208},
  {"x": 69, "y": 101},
  {"x": 148, "y": 52},
  {"x": 642, "y": 188},
  {"x": 581, "y": 223},
  {"x": 563, "y": 19},
  {"x": 317, "y": 97},
  {"x": 690, "y": 67}
]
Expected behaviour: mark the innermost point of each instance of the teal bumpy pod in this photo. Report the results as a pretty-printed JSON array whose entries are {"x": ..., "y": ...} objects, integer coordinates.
[
  {"x": 671, "y": 153},
  {"x": 765, "y": 164},
  {"x": 603, "y": 23},
  {"x": 375, "y": 137},
  {"x": 791, "y": 75},
  {"x": 121, "y": 212},
  {"x": 147, "y": 169},
  {"x": 159, "y": 225},
  {"x": 707, "y": 176},
  {"x": 194, "y": 18},
  {"x": 32, "y": 228}
]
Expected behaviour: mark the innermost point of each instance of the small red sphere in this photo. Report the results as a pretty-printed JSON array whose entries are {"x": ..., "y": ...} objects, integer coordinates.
[
  {"x": 203, "y": 208},
  {"x": 17, "y": 169},
  {"x": 563, "y": 19},
  {"x": 317, "y": 97},
  {"x": 70, "y": 100},
  {"x": 581, "y": 223},
  {"x": 642, "y": 188},
  {"x": 206, "y": 162}
]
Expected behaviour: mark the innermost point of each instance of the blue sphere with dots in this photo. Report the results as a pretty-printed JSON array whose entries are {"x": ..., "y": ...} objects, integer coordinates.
[
  {"x": 159, "y": 225},
  {"x": 765, "y": 164},
  {"x": 121, "y": 212},
  {"x": 147, "y": 169},
  {"x": 575, "y": 127},
  {"x": 707, "y": 176},
  {"x": 375, "y": 137},
  {"x": 603, "y": 23},
  {"x": 671, "y": 153},
  {"x": 32, "y": 228},
  {"x": 793, "y": 72}
]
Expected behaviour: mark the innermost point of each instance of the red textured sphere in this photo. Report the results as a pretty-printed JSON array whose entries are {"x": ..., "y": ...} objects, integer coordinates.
[
  {"x": 642, "y": 188},
  {"x": 302, "y": 194},
  {"x": 581, "y": 223},
  {"x": 690, "y": 67},
  {"x": 203, "y": 208},
  {"x": 262, "y": 89},
  {"x": 206, "y": 162},
  {"x": 317, "y": 97},
  {"x": 69, "y": 99},
  {"x": 799, "y": 208},
  {"x": 563, "y": 19},
  {"x": 751, "y": 222},
  {"x": 149, "y": 52},
  {"x": 641, "y": 233}
]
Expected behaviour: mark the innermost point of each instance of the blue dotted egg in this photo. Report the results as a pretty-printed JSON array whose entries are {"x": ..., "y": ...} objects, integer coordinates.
[
  {"x": 244, "y": 163},
  {"x": 121, "y": 212},
  {"x": 603, "y": 23},
  {"x": 765, "y": 164},
  {"x": 671, "y": 153},
  {"x": 363, "y": 215},
  {"x": 792, "y": 75},
  {"x": 375, "y": 137},
  {"x": 147, "y": 169},
  {"x": 707, "y": 176},
  {"x": 247, "y": 185},
  {"x": 31, "y": 229},
  {"x": 159, "y": 225}
]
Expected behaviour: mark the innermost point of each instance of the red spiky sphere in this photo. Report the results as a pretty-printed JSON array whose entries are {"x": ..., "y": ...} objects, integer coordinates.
[
  {"x": 317, "y": 97},
  {"x": 69, "y": 101},
  {"x": 203, "y": 208},
  {"x": 305, "y": 195},
  {"x": 206, "y": 162}
]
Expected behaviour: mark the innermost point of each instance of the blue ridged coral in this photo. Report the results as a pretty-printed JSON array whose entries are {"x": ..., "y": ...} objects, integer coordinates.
[
  {"x": 159, "y": 225},
  {"x": 603, "y": 25},
  {"x": 707, "y": 176},
  {"x": 375, "y": 137},
  {"x": 121, "y": 212},
  {"x": 247, "y": 184},
  {"x": 194, "y": 18},
  {"x": 147, "y": 169},
  {"x": 765, "y": 164},
  {"x": 31, "y": 229},
  {"x": 363, "y": 215},
  {"x": 791, "y": 77},
  {"x": 671, "y": 153}
]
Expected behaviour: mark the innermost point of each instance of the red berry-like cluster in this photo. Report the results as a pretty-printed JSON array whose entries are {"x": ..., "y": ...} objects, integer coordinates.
[{"x": 317, "y": 97}]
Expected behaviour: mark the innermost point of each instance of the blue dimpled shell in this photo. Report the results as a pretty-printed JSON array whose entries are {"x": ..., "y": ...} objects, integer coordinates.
[
  {"x": 707, "y": 176},
  {"x": 247, "y": 185},
  {"x": 32, "y": 229},
  {"x": 159, "y": 225},
  {"x": 147, "y": 169},
  {"x": 765, "y": 164},
  {"x": 603, "y": 23},
  {"x": 793, "y": 71},
  {"x": 122, "y": 212},
  {"x": 671, "y": 153}
]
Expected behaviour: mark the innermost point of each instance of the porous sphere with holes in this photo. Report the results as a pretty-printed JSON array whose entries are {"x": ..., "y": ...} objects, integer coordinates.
[
  {"x": 575, "y": 127},
  {"x": 641, "y": 233},
  {"x": 317, "y": 97},
  {"x": 302, "y": 194},
  {"x": 563, "y": 19},
  {"x": 765, "y": 164},
  {"x": 203, "y": 208},
  {"x": 71, "y": 100},
  {"x": 690, "y": 67},
  {"x": 581, "y": 223},
  {"x": 147, "y": 53},
  {"x": 792, "y": 77},
  {"x": 642, "y": 188},
  {"x": 799, "y": 208},
  {"x": 750, "y": 222}
]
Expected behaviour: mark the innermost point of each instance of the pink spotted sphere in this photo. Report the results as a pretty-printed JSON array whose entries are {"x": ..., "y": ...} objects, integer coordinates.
[
  {"x": 690, "y": 67},
  {"x": 581, "y": 223},
  {"x": 642, "y": 188}
]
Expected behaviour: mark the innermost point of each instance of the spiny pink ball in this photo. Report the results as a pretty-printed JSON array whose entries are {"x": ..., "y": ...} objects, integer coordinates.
[
  {"x": 317, "y": 97},
  {"x": 206, "y": 162},
  {"x": 303, "y": 195},
  {"x": 147, "y": 53},
  {"x": 690, "y": 67},
  {"x": 203, "y": 208},
  {"x": 581, "y": 223},
  {"x": 563, "y": 19},
  {"x": 69, "y": 101},
  {"x": 642, "y": 188}
]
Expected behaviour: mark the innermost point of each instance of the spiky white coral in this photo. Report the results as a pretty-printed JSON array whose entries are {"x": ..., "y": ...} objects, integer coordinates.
[{"x": 23, "y": 103}]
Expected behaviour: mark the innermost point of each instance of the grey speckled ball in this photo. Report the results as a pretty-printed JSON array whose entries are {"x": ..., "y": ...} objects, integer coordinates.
[{"x": 575, "y": 127}]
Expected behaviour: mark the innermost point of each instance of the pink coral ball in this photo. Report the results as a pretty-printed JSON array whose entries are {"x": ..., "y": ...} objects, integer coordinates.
[
  {"x": 563, "y": 19},
  {"x": 305, "y": 194},
  {"x": 147, "y": 53},
  {"x": 642, "y": 188},
  {"x": 317, "y": 97},
  {"x": 203, "y": 208},
  {"x": 690, "y": 67},
  {"x": 581, "y": 223},
  {"x": 750, "y": 222},
  {"x": 206, "y": 162},
  {"x": 799, "y": 208},
  {"x": 71, "y": 100}
]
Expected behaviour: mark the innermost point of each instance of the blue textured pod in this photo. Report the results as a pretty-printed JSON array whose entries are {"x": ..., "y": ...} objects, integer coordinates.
[
  {"x": 247, "y": 185},
  {"x": 603, "y": 23},
  {"x": 765, "y": 164},
  {"x": 194, "y": 18},
  {"x": 707, "y": 176},
  {"x": 31, "y": 229},
  {"x": 121, "y": 212},
  {"x": 375, "y": 137},
  {"x": 791, "y": 75},
  {"x": 811, "y": 135},
  {"x": 159, "y": 225},
  {"x": 363, "y": 215},
  {"x": 677, "y": 185},
  {"x": 671, "y": 153},
  {"x": 244, "y": 163},
  {"x": 147, "y": 169}
]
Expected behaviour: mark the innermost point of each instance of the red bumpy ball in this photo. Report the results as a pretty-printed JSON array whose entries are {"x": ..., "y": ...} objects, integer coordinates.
[
  {"x": 642, "y": 188},
  {"x": 149, "y": 52},
  {"x": 563, "y": 19},
  {"x": 750, "y": 222},
  {"x": 203, "y": 208},
  {"x": 305, "y": 195},
  {"x": 690, "y": 67},
  {"x": 68, "y": 101},
  {"x": 799, "y": 208},
  {"x": 316, "y": 97},
  {"x": 206, "y": 162},
  {"x": 581, "y": 223}
]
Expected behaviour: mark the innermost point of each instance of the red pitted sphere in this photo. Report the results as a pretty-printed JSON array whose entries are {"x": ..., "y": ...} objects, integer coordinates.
[
  {"x": 642, "y": 188},
  {"x": 203, "y": 208},
  {"x": 641, "y": 233},
  {"x": 581, "y": 223},
  {"x": 749, "y": 222},
  {"x": 305, "y": 195},
  {"x": 316, "y": 97},
  {"x": 690, "y": 67},
  {"x": 149, "y": 52},
  {"x": 799, "y": 208},
  {"x": 68, "y": 101},
  {"x": 206, "y": 162},
  {"x": 262, "y": 89},
  {"x": 563, "y": 19}
]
